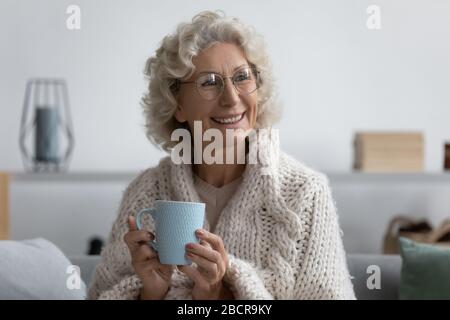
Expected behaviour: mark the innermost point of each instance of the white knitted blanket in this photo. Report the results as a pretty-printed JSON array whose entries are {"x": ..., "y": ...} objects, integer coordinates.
[{"x": 280, "y": 230}]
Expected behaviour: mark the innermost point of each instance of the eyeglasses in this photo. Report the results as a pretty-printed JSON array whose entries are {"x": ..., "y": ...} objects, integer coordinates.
[{"x": 210, "y": 85}]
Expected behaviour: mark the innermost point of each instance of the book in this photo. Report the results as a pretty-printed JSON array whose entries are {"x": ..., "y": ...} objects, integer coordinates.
[{"x": 389, "y": 151}]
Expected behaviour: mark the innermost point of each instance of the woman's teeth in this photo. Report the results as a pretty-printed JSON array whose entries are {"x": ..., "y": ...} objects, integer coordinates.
[{"x": 230, "y": 120}]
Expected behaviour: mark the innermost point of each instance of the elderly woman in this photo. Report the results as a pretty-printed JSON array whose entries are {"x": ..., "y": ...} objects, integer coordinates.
[{"x": 271, "y": 230}]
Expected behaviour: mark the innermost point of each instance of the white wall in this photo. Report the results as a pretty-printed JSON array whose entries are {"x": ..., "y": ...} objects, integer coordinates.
[
  {"x": 367, "y": 205},
  {"x": 69, "y": 214},
  {"x": 335, "y": 76}
]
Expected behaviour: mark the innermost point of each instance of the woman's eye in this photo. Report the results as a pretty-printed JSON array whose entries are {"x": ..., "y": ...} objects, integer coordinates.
[
  {"x": 209, "y": 81},
  {"x": 242, "y": 76}
]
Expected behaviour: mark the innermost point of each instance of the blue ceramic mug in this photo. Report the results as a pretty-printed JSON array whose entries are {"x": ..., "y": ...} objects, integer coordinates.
[{"x": 175, "y": 226}]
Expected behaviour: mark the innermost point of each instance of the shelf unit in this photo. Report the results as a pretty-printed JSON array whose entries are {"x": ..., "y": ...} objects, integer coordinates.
[
  {"x": 72, "y": 176},
  {"x": 425, "y": 177},
  {"x": 341, "y": 178},
  {"x": 95, "y": 176}
]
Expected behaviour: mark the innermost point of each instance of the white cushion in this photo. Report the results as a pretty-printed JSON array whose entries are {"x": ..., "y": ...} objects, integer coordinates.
[{"x": 37, "y": 269}]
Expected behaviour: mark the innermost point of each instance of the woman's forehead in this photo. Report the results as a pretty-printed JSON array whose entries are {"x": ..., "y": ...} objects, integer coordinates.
[{"x": 221, "y": 58}]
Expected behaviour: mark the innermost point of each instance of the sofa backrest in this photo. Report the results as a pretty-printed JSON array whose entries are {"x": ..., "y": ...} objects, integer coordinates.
[
  {"x": 362, "y": 267},
  {"x": 365, "y": 268}
]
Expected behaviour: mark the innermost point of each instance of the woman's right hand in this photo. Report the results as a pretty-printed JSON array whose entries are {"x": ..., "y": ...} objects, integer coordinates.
[{"x": 155, "y": 276}]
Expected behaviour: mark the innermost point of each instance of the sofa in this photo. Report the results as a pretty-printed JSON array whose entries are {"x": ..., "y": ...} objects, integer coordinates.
[
  {"x": 361, "y": 268},
  {"x": 38, "y": 269}
]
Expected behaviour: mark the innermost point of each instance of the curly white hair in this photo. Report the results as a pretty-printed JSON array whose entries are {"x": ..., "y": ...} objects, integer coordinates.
[{"x": 173, "y": 61}]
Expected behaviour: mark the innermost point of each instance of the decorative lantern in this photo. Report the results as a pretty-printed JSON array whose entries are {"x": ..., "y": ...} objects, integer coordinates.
[{"x": 46, "y": 116}]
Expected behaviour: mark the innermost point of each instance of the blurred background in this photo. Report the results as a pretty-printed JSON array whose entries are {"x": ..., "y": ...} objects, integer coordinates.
[{"x": 336, "y": 76}]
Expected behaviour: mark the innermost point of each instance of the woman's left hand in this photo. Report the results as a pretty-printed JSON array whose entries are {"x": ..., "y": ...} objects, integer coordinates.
[{"x": 212, "y": 261}]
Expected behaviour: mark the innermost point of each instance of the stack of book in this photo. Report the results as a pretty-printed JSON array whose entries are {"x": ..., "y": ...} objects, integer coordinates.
[{"x": 389, "y": 151}]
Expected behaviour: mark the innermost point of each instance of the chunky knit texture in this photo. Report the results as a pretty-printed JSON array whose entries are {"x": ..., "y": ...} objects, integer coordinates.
[{"x": 280, "y": 230}]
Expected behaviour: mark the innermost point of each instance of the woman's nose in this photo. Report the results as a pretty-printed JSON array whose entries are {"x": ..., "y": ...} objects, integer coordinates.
[{"x": 230, "y": 95}]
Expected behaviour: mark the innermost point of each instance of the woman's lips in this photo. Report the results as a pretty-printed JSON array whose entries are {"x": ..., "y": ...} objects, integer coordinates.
[{"x": 230, "y": 120}]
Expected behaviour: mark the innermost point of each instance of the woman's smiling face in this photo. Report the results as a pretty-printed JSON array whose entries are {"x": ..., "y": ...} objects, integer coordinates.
[{"x": 232, "y": 109}]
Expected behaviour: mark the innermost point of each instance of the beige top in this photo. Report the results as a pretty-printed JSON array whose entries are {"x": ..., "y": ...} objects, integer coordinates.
[
  {"x": 215, "y": 198},
  {"x": 280, "y": 230}
]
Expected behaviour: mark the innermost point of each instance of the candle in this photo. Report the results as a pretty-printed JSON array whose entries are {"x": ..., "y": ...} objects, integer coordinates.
[{"x": 46, "y": 134}]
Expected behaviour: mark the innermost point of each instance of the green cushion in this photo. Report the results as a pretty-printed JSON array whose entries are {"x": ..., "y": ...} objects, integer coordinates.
[{"x": 425, "y": 271}]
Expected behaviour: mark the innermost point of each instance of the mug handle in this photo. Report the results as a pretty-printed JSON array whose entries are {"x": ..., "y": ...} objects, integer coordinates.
[{"x": 150, "y": 211}]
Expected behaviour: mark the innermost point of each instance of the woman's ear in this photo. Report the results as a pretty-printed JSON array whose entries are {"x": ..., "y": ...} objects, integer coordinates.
[{"x": 180, "y": 115}]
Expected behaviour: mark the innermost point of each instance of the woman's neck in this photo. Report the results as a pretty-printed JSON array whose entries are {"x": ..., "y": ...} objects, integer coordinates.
[{"x": 219, "y": 175}]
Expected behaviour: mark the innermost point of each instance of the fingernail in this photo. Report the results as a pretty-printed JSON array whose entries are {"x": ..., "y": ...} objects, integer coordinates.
[
  {"x": 190, "y": 246},
  {"x": 200, "y": 232}
]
